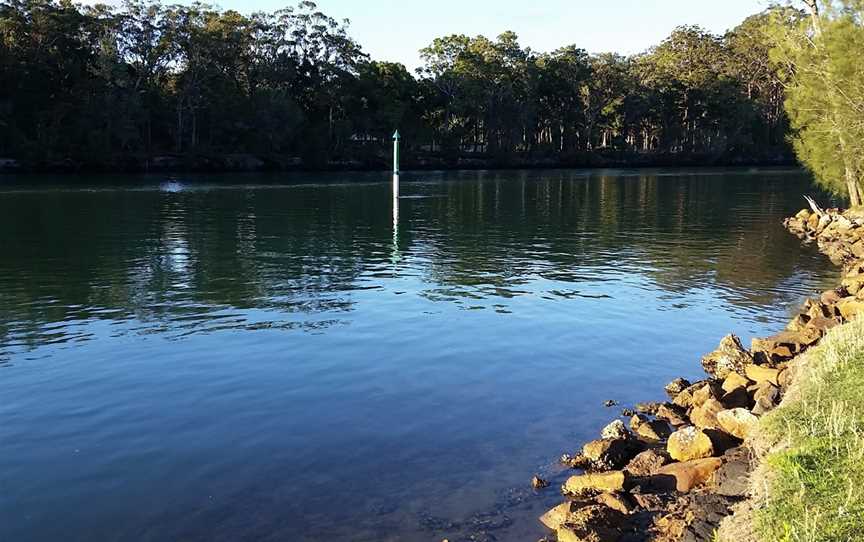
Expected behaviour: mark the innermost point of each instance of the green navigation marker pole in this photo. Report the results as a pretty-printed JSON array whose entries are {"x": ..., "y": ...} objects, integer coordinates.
[
  {"x": 396, "y": 139},
  {"x": 395, "y": 254}
]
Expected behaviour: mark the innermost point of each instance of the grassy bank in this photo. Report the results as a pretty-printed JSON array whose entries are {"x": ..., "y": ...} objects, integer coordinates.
[{"x": 812, "y": 478}]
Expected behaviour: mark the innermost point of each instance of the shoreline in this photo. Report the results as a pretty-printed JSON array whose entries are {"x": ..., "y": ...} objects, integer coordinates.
[
  {"x": 253, "y": 163},
  {"x": 680, "y": 470}
]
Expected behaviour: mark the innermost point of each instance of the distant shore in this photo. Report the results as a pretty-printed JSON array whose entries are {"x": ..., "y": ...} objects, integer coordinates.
[{"x": 242, "y": 162}]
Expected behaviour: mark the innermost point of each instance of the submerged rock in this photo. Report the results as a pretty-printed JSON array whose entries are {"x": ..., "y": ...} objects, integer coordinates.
[{"x": 539, "y": 483}]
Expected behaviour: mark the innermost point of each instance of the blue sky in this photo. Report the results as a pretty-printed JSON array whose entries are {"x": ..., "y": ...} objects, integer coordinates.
[{"x": 395, "y": 30}]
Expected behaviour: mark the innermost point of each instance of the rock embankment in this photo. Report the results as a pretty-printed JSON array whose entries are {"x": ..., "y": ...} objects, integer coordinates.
[{"x": 682, "y": 465}]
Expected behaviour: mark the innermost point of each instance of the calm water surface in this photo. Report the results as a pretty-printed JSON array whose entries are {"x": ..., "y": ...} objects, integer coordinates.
[{"x": 268, "y": 358}]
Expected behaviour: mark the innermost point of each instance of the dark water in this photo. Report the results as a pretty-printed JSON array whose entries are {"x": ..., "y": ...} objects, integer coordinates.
[{"x": 265, "y": 358}]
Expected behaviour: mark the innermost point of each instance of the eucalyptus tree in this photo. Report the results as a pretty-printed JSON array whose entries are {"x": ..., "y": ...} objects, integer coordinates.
[{"x": 820, "y": 59}]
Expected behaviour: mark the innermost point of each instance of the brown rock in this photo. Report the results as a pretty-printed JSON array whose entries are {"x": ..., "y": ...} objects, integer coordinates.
[
  {"x": 688, "y": 474},
  {"x": 798, "y": 322},
  {"x": 673, "y": 414},
  {"x": 783, "y": 345},
  {"x": 557, "y": 516},
  {"x": 733, "y": 478},
  {"x": 818, "y": 309},
  {"x": 600, "y": 482},
  {"x": 729, "y": 357},
  {"x": 738, "y": 422},
  {"x": 705, "y": 416},
  {"x": 607, "y": 454},
  {"x": 647, "y": 462},
  {"x": 760, "y": 373},
  {"x": 577, "y": 461},
  {"x": 616, "y": 501},
  {"x": 595, "y": 523},
  {"x": 766, "y": 396},
  {"x": 808, "y": 336},
  {"x": 852, "y": 285},
  {"x": 689, "y": 443},
  {"x": 822, "y": 324},
  {"x": 830, "y": 297},
  {"x": 850, "y": 307},
  {"x": 733, "y": 381},
  {"x": 737, "y": 398},
  {"x": 539, "y": 483},
  {"x": 705, "y": 392},
  {"x": 647, "y": 408},
  {"x": 677, "y": 386},
  {"x": 655, "y": 431},
  {"x": 785, "y": 378},
  {"x": 615, "y": 430}
]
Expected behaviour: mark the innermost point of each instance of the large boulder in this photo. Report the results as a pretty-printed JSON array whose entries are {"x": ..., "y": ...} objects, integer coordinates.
[
  {"x": 734, "y": 381},
  {"x": 738, "y": 422},
  {"x": 689, "y": 443},
  {"x": 652, "y": 430},
  {"x": 705, "y": 415},
  {"x": 850, "y": 307},
  {"x": 729, "y": 357}
]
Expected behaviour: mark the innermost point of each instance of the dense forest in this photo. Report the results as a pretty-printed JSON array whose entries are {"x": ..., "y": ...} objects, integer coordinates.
[
  {"x": 148, "y": 86},
  {"x": 148, "y": 83}
]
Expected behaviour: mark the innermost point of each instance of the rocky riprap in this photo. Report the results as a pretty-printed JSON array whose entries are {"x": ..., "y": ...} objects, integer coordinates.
[{"x": 679, "y": 468}]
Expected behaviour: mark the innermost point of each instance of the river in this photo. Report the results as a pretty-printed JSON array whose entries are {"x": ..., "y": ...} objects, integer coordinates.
[{"x": 288, "y": 357}]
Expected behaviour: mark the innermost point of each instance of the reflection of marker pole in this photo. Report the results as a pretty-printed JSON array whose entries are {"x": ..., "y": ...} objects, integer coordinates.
[{"x": 395, "y": 254}]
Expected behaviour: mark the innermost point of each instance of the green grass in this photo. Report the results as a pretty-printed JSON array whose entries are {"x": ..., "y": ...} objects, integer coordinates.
[{"x": 812, "y": 479}]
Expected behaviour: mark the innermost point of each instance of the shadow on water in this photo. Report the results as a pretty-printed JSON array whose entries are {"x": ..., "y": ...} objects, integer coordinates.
[{"x": 272, "y": 360}]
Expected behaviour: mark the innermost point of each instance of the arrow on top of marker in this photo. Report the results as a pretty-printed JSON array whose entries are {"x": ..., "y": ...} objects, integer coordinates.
[{"x": 396, "y": 136}]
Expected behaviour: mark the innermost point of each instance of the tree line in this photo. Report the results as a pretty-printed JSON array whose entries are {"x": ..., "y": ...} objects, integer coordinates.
[{"x": 128, "y": 85}]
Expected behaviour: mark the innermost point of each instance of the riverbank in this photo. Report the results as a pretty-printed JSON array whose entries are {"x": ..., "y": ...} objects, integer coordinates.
[
  {"x": 377, "y": 161},
  {"x": 695, "y": 468}
]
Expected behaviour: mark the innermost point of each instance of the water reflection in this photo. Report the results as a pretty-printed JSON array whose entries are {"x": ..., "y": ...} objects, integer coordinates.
[{"x": 189, "y": 253}]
